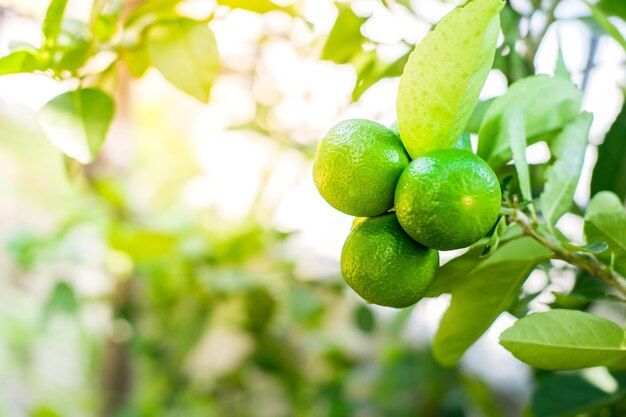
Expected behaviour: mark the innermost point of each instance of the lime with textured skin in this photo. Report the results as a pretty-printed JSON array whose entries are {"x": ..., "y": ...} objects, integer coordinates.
[
  {"x": 357, "y": 166},
  {"x": 448, "y": 199},
  {"x": 385, "y": 266}
]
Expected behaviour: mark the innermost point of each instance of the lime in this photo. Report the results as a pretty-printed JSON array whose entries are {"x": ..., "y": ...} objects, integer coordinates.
[
  {"x": 384, "y": 265},
  {"x": 448, "y": 199},
  {"x": 357, "y": 166}
]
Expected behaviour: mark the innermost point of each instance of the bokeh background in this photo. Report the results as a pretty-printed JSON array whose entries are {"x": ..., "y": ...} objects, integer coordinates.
[{"x": 193, "y": 269}]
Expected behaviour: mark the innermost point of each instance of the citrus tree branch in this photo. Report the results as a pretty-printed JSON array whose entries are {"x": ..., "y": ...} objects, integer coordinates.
[{"x": 587, "y": 262}]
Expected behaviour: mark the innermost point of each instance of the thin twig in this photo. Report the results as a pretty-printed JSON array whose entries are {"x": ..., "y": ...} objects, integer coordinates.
[{"x": 587, "y": 262}]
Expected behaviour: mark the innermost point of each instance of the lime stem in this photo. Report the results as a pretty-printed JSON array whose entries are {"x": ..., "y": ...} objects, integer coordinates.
[{"x": 587, "y": 262}]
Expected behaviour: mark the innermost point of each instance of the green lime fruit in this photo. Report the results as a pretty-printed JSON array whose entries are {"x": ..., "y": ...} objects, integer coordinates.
[
  {"x": 385, "y": 266},
  {"x": 448, "y": 199},
  {"x": 357, "y": 166}
]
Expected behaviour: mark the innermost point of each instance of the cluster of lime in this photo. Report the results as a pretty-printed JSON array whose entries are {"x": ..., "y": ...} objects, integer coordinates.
[{"x": 408, "y": 210}]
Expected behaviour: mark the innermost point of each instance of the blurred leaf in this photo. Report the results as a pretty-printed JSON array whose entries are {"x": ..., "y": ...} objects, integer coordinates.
[
  {"x": 514, "y": 122},
  {"x": 512, "y": 64},
  {"x": 606, "y": 24},
  {"x": 77, "y": 122},
  {"x": 482, "y": 395},
  {"x": 62, "y": 300},
  {"x": 575, "y": 301},
  {"x": 22, "y": 60},
  {"x": 562, "y": 177},
  {"x": 564, "y": 339},
  {"x": 487, "y": 290},
  {"x": 613, "y": 7},
  {"x": 157, "y": 8},
  {"x": 464, "y": 142},
  {"x": 596, "y": 247},
  {"x": 137, "y": 60},
  {"x": 473, "y": 126},
  {"x": 52, "y": 22},
  {"x": 44, "y": 411},
  {"x": 605, "y": 221},
  {"x": 609, "y": 173},
  {"x": 453, "y": 273},
  {"x": 345, "y": 38},
  {"x": 364, "y": 318},
  {"x": 140, "y": 243},
  {"x": 304, "y": 305},
  {"x": 257, "y": 6},
  {"x": 510, "y": 20},
  {"x": 561, "y": 70},
  {"x": 520, "y": 308},
  {"x": 434, "y": 105},
  {"x": 563, "y": 395},
  {"x": 548, "y": 104},
  {"x": 184, "y": 51},
  {"x": 376, "y": 70},
  {"x": 105, "y": 16}
]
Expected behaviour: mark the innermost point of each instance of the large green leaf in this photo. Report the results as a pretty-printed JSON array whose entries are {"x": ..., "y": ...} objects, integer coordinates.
[
  {"x": 562, "y": 177},
  {"x": 487, "y": 290},
  {"x": 605, "y": 221},
  {"x": 548, "y": 104},
  {"x": 77, "y": 122},
  {"x": 184, "y": 51},
  {"x": 345, "y": 38},
  {"x": 444, "y": 76},
  {"x": 564, "y": 339},
  {"x": 565, "y": 395},
  {"x": 609, "y": 173}
]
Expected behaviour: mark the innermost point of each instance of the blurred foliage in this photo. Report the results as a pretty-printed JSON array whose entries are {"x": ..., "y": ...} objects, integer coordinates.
[{"x": 197, "y": 315}]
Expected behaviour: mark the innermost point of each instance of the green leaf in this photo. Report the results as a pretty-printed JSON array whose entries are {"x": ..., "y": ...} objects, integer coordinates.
[
  {"x": 564, "y": 339},
  {"x": 605, "y": 221},
  {"x": 613, "y": 8},
  {"x": 606, "y": 24},
  {"x": 62, "y": 300},
  {"x": 140, "y": 243},
  {"x": 23, "y": 60},
  {"x": 77, "y": 122},
  {"x": 257, "y": 6},
  {"x": 374, "y": 71},
  {"x": 561, "y": 70},
  {"x": 137, "y": 60},
  {"x": 345, "y": 38},
  {"x": 157, "y": 9},
  {"x": 453, "y": 273},
  {"x": 609, "y": 173},
  {"x": 597, "y": 247},
  {"x": 184, "y": 51},
  {"x": 52, "y": 22},
  {"x": 487, "y": 290},
  {"x": 514, "y": 122},
  {"x": 444, "y": 76},
  {"x": 473, "y": 126},
  {"x": 562, "y": 177},
  {"x": 548, "y": 104},
  {"x": 572, "y": 395},
  {"x": 498, "y": 231},
  {"x": 464, "y": 142}
]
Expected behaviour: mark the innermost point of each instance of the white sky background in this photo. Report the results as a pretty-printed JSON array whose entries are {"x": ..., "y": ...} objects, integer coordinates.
[{"x": 310, "y": 97}]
